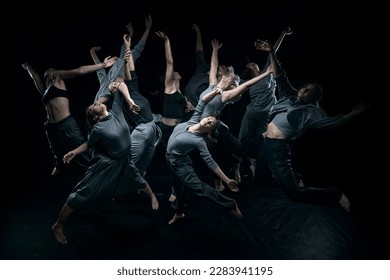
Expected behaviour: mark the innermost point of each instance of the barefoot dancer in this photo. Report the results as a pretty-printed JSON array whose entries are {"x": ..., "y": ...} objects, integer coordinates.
[
  {"x": 186, "y": 137},
  {"x": 112, "y": 167},
  {"x": 295, "y": 112}
]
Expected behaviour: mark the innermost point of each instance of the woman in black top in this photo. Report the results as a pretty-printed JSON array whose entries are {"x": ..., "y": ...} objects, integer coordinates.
[{"x": 62, "y": 131}]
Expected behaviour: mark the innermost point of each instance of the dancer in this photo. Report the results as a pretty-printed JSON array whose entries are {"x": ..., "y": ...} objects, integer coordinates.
[
  {"x": 112, "y": 167},
  {"x": 226, "y": 147},
  {"x": 145, "y": 133},
  {"x": 62, "y": 130},
  {"x": 262, "y": 98},
  {"x": 186, "y": 137},
  {"x": 295, "y": 113}
]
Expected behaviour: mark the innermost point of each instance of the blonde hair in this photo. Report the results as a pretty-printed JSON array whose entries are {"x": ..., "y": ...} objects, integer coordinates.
[{"x": 230, "y": 79}]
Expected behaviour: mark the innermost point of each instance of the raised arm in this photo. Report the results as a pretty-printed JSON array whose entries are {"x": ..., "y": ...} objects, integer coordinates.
[
  {"x": 213, "y": 79},
  {"x": 139, "y": 47},
  {"x": 267, "y": 46},
  {"x": 148, "y": 27},
  {"x": 129, "y": 61},
  {"x": 169, "y": 61},
  {"x": 285, "y": 31},
  {"x": 39, "y": 84}
]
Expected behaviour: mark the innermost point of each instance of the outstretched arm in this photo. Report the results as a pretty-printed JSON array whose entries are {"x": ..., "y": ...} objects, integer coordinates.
[
  {"x": 39, "y": 84},
  {"x": 122, "y": 88},
  {"x": 267, "y": 46},
  {"x": 139, "y": 47},
  {"x": 213, "y": 79},
  {"x": 169, "y": 61},
  {"x": 357, "y": 110},
  {"x": 82, "y": 70},
  {"x": 70, "y": 155},
  {"x": 233, "y": 93},
  {"x": 285, "y": 31},
  {"x": 129, "y": 61},
  {"x": 232, "y": 184},
  {"x": 148, "y": 27}
]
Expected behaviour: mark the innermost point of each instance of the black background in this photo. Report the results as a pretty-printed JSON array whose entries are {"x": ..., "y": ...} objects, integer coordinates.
[{"x": 336, "y": 45}]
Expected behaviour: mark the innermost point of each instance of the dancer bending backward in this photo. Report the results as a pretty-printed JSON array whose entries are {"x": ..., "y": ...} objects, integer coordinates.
[
  {"x": 62, "y": 130},
  {"x": 175, "y": 104},
  {"x": 226, "y": 141},
  {"x": 262, "y": 98},
  {"x": 295, "y": 112},
  {"x": 112, "y": 167},
  {"x": 145, "y": 133},
  {"x": 186, "y": 137}
]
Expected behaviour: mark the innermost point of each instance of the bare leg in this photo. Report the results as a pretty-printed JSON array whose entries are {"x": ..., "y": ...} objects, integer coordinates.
[
  {"x": 176, "y": 217},
  {"x": 236, "y": 212},
  {"x": 58, "y": 227},
  {"x": 253, "y": 169},
  {"x": 153, "y": 198},
  {"x": 344, "y": 202},
  {"x": 252, "y": 166}
]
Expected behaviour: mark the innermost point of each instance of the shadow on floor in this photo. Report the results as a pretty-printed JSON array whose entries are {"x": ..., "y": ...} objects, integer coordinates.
[{"x": 273, "y": 227}]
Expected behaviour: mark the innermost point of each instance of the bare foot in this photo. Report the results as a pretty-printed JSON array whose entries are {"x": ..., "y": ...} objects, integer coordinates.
[
  {"x": 155, "y": 203},
  {"x": 175, "y": 218},
  {"x": 252, "y": 168},
  {"x": 236, "y": 212},
  {"x": 172, "y": 197},
  {"x": 344, "y": 202},
  {"x": 55, "y": 171},
  {"x": 59, "y": 233}
]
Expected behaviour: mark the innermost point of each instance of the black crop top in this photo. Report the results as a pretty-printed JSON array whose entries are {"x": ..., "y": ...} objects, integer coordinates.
[
  {"x": 53, "y": 92},
  {"x": 174, "y": 106}
]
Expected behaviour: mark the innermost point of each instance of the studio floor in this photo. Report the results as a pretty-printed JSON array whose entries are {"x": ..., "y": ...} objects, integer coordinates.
[{"x": 273, "y": 227}]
